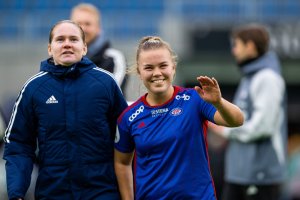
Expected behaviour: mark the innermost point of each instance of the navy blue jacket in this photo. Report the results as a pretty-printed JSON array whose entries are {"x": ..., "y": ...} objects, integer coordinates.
[{"x": 70, "y": 114}]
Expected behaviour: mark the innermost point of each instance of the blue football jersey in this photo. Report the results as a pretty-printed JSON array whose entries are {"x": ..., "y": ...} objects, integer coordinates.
[{"x": 170, "y": 146}]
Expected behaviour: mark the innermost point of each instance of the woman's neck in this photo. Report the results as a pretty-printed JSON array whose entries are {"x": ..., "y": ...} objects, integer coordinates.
[{"x": 156, "y": 99}]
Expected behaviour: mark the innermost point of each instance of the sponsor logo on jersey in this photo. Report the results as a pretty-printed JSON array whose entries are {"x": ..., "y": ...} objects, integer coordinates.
[
  {"x": 137, "y": 112},
  {"x": 184, "y": 97},
  {"x": 159, "y": 112},
  {"x": 176, "y": 111}
]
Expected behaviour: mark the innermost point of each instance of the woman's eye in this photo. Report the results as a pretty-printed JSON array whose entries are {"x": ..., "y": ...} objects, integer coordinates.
[
  {"x": 59, "y": 40},
  {"x": 148, "y": 68}
]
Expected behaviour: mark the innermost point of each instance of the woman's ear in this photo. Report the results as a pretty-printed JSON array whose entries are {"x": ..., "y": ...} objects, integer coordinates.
[
  {"x": 85, "y": 49},
  {"x": 49, "y": 50},
  {"x": 138, "y": 73}
]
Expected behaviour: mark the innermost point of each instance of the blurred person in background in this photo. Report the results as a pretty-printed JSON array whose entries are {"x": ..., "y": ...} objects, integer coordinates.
[
  {"x": 166, "y": 130},
  {"x": 255, "y": 162},
  {"x": 73, "y": 126},
  {"x": 99, "y": 48}
]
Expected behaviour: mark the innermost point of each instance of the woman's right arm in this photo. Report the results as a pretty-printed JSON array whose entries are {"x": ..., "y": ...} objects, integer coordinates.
[
  {"x": 123, "y": 169},
  {"x": 20, "y": 145}
]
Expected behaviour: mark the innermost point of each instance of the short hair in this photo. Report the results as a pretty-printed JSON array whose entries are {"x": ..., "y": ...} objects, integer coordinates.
[
  {"x": 89, "y": 8},
  {"x": 256, "y": 33}
]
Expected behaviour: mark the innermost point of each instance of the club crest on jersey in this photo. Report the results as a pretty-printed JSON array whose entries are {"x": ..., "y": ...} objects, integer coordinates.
[
  {"x": 184, "y": 97},
  {"x": 137, "y": 112},
  {"x": 176, "y": 111}
]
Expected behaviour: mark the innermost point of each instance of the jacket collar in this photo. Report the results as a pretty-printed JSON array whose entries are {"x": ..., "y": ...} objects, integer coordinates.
[
  {"x": 72, "y": 71},
  {"x": 268, "y": 60}
]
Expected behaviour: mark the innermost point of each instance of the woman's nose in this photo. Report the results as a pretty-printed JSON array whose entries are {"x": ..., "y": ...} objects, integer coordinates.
[
  {"x": 156, "y": 71},
  {"x": 67, "y": 43}
]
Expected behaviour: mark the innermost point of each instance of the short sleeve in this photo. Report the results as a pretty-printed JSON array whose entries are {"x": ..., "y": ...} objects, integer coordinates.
[{"x": 123, "y": 140}]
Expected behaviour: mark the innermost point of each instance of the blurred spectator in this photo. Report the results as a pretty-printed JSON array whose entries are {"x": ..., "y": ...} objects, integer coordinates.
[
  {"x": 255, "y": 162},
  {"x": 99, "y": 47}
]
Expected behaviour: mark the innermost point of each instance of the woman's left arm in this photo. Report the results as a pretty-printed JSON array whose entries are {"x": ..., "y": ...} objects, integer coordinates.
[{"x": 227, "y": 114}]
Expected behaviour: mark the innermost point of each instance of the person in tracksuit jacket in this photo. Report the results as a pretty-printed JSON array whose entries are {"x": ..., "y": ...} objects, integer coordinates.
[
  {"x": 69, "y": 111},
  {"x": 256, "y": 156}
]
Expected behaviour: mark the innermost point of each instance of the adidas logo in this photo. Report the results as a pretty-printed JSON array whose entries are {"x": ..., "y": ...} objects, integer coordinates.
[
  {"x": 51, "y": 100},
  {"x": 141, "y": 125}
]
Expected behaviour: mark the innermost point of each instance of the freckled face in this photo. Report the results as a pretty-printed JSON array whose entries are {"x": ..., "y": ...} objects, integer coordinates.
[
  {"x": 157, "y": 69},
  {"x": 67, "y": 46}
]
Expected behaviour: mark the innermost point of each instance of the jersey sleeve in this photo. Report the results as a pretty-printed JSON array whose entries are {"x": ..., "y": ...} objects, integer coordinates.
[
  {"x": 206, "y": 109},
  {"x": 123, "y": 140}
]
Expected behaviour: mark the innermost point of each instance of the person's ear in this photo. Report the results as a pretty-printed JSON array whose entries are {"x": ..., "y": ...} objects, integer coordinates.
[
  {"x": 138, "y": 72},
  {"x": 251, "y": 48},
  {"x": 250, "y": 45},
  {"x": 49, "y": 50},
  {"x": 85, "y": 49}
]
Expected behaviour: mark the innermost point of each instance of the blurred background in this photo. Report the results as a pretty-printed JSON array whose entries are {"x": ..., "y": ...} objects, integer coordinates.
[{"x": 198, "y": 30}]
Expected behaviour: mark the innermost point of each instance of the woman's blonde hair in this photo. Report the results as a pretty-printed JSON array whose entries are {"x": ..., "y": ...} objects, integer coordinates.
[{"x": 151, "y": 43}]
